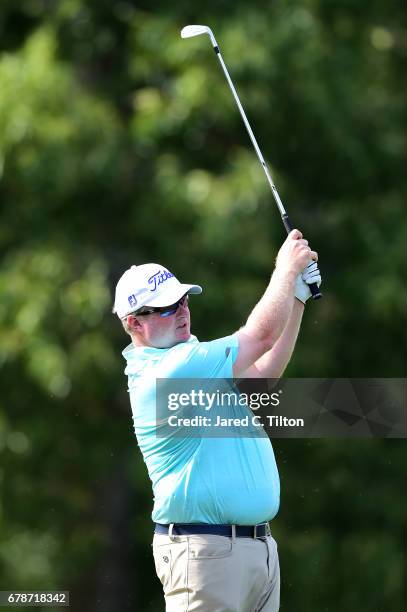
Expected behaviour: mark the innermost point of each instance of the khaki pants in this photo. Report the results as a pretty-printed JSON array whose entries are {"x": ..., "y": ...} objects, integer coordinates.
[{"x": 211, "y": 573}]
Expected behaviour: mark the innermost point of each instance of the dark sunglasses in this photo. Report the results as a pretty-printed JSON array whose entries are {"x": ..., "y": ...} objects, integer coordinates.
[{"x": 164, "y": 311}]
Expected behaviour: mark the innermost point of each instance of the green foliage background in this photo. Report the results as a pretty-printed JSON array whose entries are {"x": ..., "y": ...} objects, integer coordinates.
[{"x": 119, "y": 144}]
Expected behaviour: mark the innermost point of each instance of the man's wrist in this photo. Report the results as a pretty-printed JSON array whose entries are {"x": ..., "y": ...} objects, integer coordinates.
[
  {"x": 285, "y": 274},
  {"x": 298, "y": 301}
]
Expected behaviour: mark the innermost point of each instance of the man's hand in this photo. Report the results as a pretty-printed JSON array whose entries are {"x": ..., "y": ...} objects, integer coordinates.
[
  {"x": 310, "y": 274},
  {"x": 294, "y": 254}
]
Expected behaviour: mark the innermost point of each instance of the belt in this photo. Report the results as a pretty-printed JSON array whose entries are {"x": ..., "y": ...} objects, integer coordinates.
[{"x": 241, "y": 531}]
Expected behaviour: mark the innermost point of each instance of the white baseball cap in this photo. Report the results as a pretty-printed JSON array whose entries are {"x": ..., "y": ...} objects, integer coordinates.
[{"x": 148, "y": 285}]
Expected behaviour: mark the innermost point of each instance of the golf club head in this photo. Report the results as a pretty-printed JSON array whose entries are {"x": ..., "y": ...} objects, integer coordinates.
[{"x": 196, "y": 30}]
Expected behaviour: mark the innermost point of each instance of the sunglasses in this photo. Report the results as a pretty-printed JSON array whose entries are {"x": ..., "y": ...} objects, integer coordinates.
[{"x": 164, "y": 311}]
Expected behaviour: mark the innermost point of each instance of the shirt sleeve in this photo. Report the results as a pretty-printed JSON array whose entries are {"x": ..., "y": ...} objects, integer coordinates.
[{"x": 213, "y": 359}]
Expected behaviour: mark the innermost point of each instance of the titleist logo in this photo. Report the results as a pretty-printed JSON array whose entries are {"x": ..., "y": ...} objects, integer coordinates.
[{"x": 158, "y": 278}]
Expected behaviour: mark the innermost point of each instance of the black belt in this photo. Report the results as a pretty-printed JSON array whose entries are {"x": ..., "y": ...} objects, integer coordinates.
[{"x": 242, "y": 531}]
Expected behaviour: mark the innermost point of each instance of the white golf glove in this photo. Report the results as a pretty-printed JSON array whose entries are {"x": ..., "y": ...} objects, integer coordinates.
[{"x": 309, "y": 275}]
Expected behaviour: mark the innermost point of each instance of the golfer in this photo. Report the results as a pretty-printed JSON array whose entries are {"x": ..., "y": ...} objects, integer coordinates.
[{"x": 213, "y": 497}]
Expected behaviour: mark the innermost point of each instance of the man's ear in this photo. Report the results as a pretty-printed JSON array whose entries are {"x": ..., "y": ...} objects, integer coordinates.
[{"x": 133, "y": 323}]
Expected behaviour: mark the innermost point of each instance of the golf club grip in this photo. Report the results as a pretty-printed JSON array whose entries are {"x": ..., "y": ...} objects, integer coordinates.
[{"x": 315, "y": 292}]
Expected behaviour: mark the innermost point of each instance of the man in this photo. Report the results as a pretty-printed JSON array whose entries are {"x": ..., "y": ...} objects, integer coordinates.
[{"x": 213, "y": 497}]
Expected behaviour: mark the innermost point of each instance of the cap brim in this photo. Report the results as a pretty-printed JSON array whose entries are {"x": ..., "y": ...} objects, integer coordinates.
[{"x": 172, "y": 296}]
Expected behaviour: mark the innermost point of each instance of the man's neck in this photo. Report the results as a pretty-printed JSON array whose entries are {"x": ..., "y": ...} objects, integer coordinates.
[{"x": 141, "y": 343}]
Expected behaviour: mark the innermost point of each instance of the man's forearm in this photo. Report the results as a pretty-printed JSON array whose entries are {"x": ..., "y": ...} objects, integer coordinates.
[
  {"x": 271, "y": 314},
  {"x": 273, "y": 363}
]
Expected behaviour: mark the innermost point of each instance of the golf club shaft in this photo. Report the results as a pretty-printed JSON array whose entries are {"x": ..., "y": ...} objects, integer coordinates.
[{"x": 316, "y": 294}]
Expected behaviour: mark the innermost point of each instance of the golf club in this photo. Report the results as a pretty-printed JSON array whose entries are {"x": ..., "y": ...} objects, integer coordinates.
[{"x": 196, "y": 30}]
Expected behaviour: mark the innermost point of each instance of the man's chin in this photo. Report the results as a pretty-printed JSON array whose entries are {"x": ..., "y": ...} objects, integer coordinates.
[
  {"x": 183, "y": 334},
  {"x": 178, "y": 340}
]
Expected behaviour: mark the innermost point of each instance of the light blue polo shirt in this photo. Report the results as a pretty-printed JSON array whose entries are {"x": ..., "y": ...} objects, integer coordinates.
[{"x": 199, "y": 479}]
